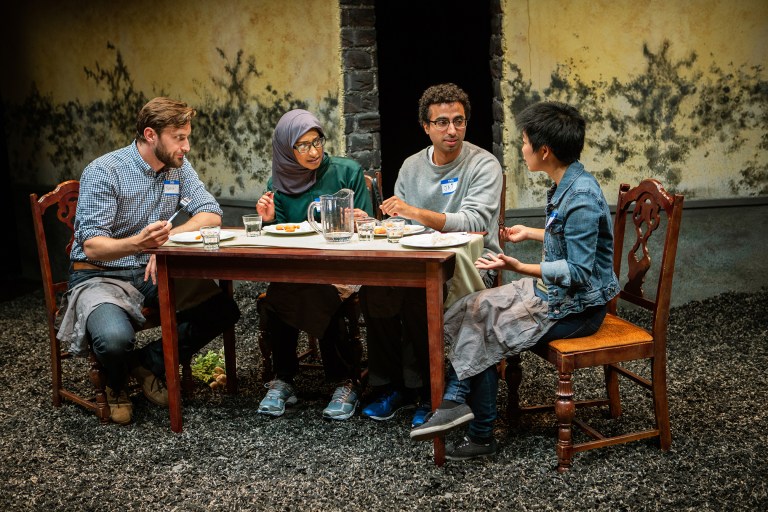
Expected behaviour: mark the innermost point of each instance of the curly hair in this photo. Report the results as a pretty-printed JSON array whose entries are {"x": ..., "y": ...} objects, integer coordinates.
[
  {"x": 160, "y": 113},
  {"x": 442, "y": 93}
]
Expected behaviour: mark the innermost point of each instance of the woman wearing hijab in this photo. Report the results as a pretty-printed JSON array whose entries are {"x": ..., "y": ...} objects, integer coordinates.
[{"x": 301, "y": 172}]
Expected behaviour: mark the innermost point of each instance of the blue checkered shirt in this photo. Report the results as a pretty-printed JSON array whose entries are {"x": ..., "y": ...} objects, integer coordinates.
[{"x": 120, "y": 194}]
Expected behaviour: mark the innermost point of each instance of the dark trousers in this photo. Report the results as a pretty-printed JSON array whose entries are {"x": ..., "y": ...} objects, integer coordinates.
[
  {"x": 315, "y": 309},
  {"x": 339, "y": 352},
  {"x": 397, "y": 335}
]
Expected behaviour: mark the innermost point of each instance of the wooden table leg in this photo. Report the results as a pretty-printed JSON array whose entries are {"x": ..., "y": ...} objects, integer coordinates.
[
  {"x": 167, "y": 297},
  {"x": 436, "y": 347},
  {"x": 229, "y": 346}
]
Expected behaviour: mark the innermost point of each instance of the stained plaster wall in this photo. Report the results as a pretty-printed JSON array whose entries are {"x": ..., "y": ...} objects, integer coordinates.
[
  {"x": 674, "y": 90},
  {"x": 82, "y": 70}
]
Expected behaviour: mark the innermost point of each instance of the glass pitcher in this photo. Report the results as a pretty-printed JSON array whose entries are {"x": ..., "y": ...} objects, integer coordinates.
[{"x": 337, "y": 218}]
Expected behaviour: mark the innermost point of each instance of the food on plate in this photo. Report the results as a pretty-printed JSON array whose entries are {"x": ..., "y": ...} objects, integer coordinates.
[
  {"x": 288, "y": 228},
  {"x": 199, "y": 237},
  {"x": 380, "y": 230}
]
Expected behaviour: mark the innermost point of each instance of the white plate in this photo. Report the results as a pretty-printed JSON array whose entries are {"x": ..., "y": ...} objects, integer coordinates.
[
  {"x": 410, "y": 229},
  {"x": 189, "y": 237},
  {"x": 436, "y": 240},
  {"x": 304, "y": 228}
]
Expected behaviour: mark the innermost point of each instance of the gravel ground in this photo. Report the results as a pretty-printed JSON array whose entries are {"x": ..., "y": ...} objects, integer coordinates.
[{"x": 230, "y": 458}]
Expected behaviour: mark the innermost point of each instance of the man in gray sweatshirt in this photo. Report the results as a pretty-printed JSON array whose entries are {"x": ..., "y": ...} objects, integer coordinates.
[{"x": 451, "y": 185}]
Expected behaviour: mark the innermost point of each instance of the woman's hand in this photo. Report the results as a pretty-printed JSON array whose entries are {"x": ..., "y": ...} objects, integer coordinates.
[
  {"x": 360, "y": 214},
  {"x": 265, "y": 207},
  {"x": 516, "y": 233},
  {"x": 496, "y": 261}
]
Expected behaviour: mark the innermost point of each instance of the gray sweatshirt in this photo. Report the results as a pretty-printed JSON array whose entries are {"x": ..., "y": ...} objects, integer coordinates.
[{"x": 467, "y": 190}]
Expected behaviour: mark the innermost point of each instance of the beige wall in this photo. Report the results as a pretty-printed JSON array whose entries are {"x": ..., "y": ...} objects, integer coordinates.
[
  {"x": 179, "y": 49},
  {"x": 674, "y": 90}
]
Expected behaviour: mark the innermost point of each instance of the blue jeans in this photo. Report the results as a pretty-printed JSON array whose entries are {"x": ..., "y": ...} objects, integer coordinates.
[
  {"x": 576, "y": 325},
  {"x": 479, "y": 391},
  {"x": 113, "y": 336}
]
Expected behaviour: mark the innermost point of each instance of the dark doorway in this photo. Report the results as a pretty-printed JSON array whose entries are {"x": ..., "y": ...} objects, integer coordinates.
[{"x": 422, "y": 43}]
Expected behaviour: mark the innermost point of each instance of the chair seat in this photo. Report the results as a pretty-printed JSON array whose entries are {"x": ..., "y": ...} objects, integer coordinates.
[{"x": 614, "y": 333}]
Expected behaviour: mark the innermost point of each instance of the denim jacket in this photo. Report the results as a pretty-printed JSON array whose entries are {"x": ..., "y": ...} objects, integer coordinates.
[{"x": 577, "y": 266}]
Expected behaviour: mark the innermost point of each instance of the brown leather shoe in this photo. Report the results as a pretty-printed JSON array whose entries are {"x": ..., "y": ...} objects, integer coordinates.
[
  {"x": 120, "y": 407},
  {"x": 152, "y": 386}
]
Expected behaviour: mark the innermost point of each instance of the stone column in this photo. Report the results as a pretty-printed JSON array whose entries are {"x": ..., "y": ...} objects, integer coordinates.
[{"x": 361, "y": 85}]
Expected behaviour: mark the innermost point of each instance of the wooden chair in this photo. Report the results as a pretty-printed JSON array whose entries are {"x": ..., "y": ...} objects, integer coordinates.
[
  {"x": 63, "y": 202},
  {"x": 373, "y": 182},
  {"x": 502, "y": 220},
  {"x": 648, "y": 206}
]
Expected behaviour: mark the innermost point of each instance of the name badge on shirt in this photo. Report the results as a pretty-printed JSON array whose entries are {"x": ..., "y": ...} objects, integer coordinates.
[
  {"x": 449, "y": 186},
  {"x": 171, "y": 188}
]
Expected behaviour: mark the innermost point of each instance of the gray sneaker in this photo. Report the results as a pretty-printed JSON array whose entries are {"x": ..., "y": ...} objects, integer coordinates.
[
  {"x": 468, "y": 449},
  {"x": 343, "y": 402},
  {"x": 279, "y": 395},
  {"x": 442, "y": 421}
]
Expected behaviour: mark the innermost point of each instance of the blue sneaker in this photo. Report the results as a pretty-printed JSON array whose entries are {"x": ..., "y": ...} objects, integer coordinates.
[
  {"x": 343, "y": 402},
  {"x": 279, "y": 395},
  {"x": 420, "y": 416},
  {"x": 385, "y": 406}
]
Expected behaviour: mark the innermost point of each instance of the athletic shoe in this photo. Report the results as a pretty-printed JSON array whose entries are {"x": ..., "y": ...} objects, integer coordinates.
[
  {"x": 279, "y": 395},
  {"x": 385, "y": 406},
  {"x": 468, "y": 449},
  {"x": 343, "y": 402},
  {"x": 420, "y": 416},
  {"x": 443, "y": 421}
]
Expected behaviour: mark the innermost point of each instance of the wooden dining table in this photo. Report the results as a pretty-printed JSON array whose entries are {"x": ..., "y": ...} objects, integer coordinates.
[{"x": 428, "y": 269}]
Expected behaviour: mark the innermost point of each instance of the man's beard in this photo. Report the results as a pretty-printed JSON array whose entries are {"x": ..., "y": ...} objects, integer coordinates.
[{"x": 167, "y": 158}]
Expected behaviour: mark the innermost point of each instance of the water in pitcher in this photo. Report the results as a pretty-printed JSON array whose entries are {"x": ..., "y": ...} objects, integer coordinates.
[{"x": 337, "y": 217}]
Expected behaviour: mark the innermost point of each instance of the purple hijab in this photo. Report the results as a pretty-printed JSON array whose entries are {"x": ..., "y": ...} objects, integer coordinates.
[{"x": 288, "y": 176}]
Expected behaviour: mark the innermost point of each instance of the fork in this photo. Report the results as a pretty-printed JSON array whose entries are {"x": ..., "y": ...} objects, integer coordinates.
[{"x": 183, "y": 203}]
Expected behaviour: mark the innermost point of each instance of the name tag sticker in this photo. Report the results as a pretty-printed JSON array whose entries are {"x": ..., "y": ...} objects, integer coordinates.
[
  {"x": 171, "y": 188},
  {"x": 449, "y": 186}
]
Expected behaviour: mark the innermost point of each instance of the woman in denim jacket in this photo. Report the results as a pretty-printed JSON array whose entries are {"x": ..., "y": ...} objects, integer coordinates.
[{"x": 565, "y": 297}]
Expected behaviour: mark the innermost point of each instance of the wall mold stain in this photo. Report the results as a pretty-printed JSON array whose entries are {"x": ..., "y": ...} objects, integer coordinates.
[
  {"x": 231, "y": 138},
  {"x": 662, "y": 121}
]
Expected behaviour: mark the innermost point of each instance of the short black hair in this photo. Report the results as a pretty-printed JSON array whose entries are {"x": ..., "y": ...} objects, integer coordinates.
[
  {"x": 556, "y": 125},
  {"x": 442, "y": 93}
]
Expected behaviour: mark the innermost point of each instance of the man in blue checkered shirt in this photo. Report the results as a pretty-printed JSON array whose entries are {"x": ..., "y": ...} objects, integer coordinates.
[{"x": 126, "y": 197}]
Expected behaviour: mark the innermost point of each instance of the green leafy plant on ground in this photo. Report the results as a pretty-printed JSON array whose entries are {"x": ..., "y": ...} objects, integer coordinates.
[{"x": 209, "y": 369}]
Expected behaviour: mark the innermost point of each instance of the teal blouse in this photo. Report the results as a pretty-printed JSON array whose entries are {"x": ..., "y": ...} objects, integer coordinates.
[{"x": 333, "y": 174}]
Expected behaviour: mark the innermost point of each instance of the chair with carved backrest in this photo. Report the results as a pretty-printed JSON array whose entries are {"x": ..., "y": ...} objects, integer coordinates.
[
  {"x": 647, "y": 206},
  {"x": 63, "y": 202}
]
